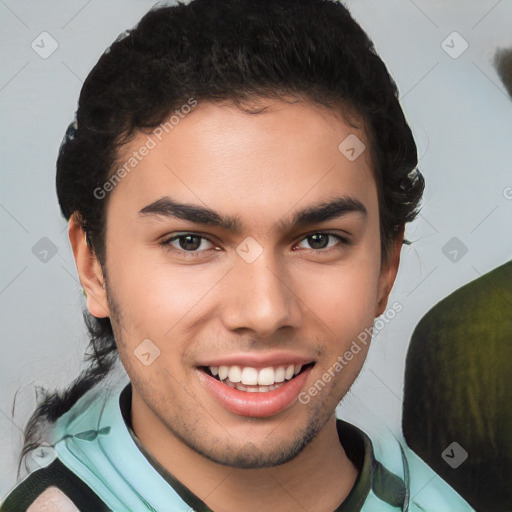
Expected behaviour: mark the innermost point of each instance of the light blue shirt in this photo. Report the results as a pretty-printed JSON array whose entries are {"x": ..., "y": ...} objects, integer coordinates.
[{"x": 93, "y": 440}]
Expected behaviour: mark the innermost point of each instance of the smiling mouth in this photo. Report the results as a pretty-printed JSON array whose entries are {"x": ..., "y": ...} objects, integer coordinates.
[{"x": 253, "y": 380}]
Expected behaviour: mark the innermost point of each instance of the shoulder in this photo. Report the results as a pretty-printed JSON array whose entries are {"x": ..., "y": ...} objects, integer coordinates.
[
  {"x": 52, "y": 500},
  {"x": 428, "y": 491},
  {"x": 400, "y": 476},
  {"x": 53, "y": 488}
]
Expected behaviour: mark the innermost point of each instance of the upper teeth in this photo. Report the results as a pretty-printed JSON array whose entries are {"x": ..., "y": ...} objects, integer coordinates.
[{"x": 252, "y": 376}]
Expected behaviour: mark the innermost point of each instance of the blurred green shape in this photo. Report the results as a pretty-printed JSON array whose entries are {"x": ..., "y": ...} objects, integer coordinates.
[{"x": 458, "y": 388}]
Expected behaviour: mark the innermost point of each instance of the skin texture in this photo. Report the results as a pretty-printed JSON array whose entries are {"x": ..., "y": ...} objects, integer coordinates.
[
  {"x": 295, "y": 297},
  {"x": 52, "y": 500}
]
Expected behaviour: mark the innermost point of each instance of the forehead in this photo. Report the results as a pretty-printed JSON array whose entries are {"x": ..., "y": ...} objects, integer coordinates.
[{"x": 220, "y": 155}]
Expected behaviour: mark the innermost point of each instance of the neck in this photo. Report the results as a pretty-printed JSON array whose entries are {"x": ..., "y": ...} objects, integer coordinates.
[{"x": 317, "y": 480}]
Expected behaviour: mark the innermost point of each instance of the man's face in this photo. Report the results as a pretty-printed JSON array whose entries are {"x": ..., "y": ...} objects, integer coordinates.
[{"x": 271, "y": 295}]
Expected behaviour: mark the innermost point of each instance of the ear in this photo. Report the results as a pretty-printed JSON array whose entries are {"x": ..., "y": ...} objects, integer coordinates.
[
  {"x": 388, "y": 273},
  {"x": 89, "y": 270}
]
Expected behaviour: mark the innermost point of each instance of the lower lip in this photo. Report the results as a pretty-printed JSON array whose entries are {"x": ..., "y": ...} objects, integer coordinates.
[{"x": 257, "y": 405}]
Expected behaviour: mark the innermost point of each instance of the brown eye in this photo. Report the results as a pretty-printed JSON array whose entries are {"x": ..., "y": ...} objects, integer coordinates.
[
  {"x": 320, "y": 241},
  {"x": 187, "y": 244}
]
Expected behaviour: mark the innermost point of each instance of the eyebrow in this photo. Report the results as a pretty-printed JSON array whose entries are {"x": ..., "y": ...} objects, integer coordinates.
[{"x": 333, "y": 209}]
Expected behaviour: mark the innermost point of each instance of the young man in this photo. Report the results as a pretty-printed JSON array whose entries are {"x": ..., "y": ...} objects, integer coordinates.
[{"x": 237, "y": 183}]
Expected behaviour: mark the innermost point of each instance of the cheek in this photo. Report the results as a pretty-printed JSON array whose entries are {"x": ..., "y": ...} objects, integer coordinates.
[
  {"x": 342, "y": 297},
  {"x": 152, "y": 306},
  {"x": 157, "y": 299}
]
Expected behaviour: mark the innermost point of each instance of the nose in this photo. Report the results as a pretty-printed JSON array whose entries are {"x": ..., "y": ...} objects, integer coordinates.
[{"x": 260, "y": 297}]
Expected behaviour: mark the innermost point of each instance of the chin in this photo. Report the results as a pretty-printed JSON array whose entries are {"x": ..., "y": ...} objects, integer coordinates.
[{"x": 248, "y": 455}]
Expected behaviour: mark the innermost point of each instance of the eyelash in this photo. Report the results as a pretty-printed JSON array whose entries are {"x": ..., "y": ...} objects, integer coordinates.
[{"x": 197, "y": 254}]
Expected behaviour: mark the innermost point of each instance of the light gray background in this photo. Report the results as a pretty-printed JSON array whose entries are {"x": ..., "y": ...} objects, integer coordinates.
[{"x": 459, "y": 112}]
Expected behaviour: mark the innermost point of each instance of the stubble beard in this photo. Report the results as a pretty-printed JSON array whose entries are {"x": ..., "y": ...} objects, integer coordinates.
[{"x": 248, "y": 456}]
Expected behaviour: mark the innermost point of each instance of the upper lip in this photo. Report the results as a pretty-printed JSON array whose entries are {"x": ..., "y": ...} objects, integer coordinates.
[{"x": 258, "y": 359}]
